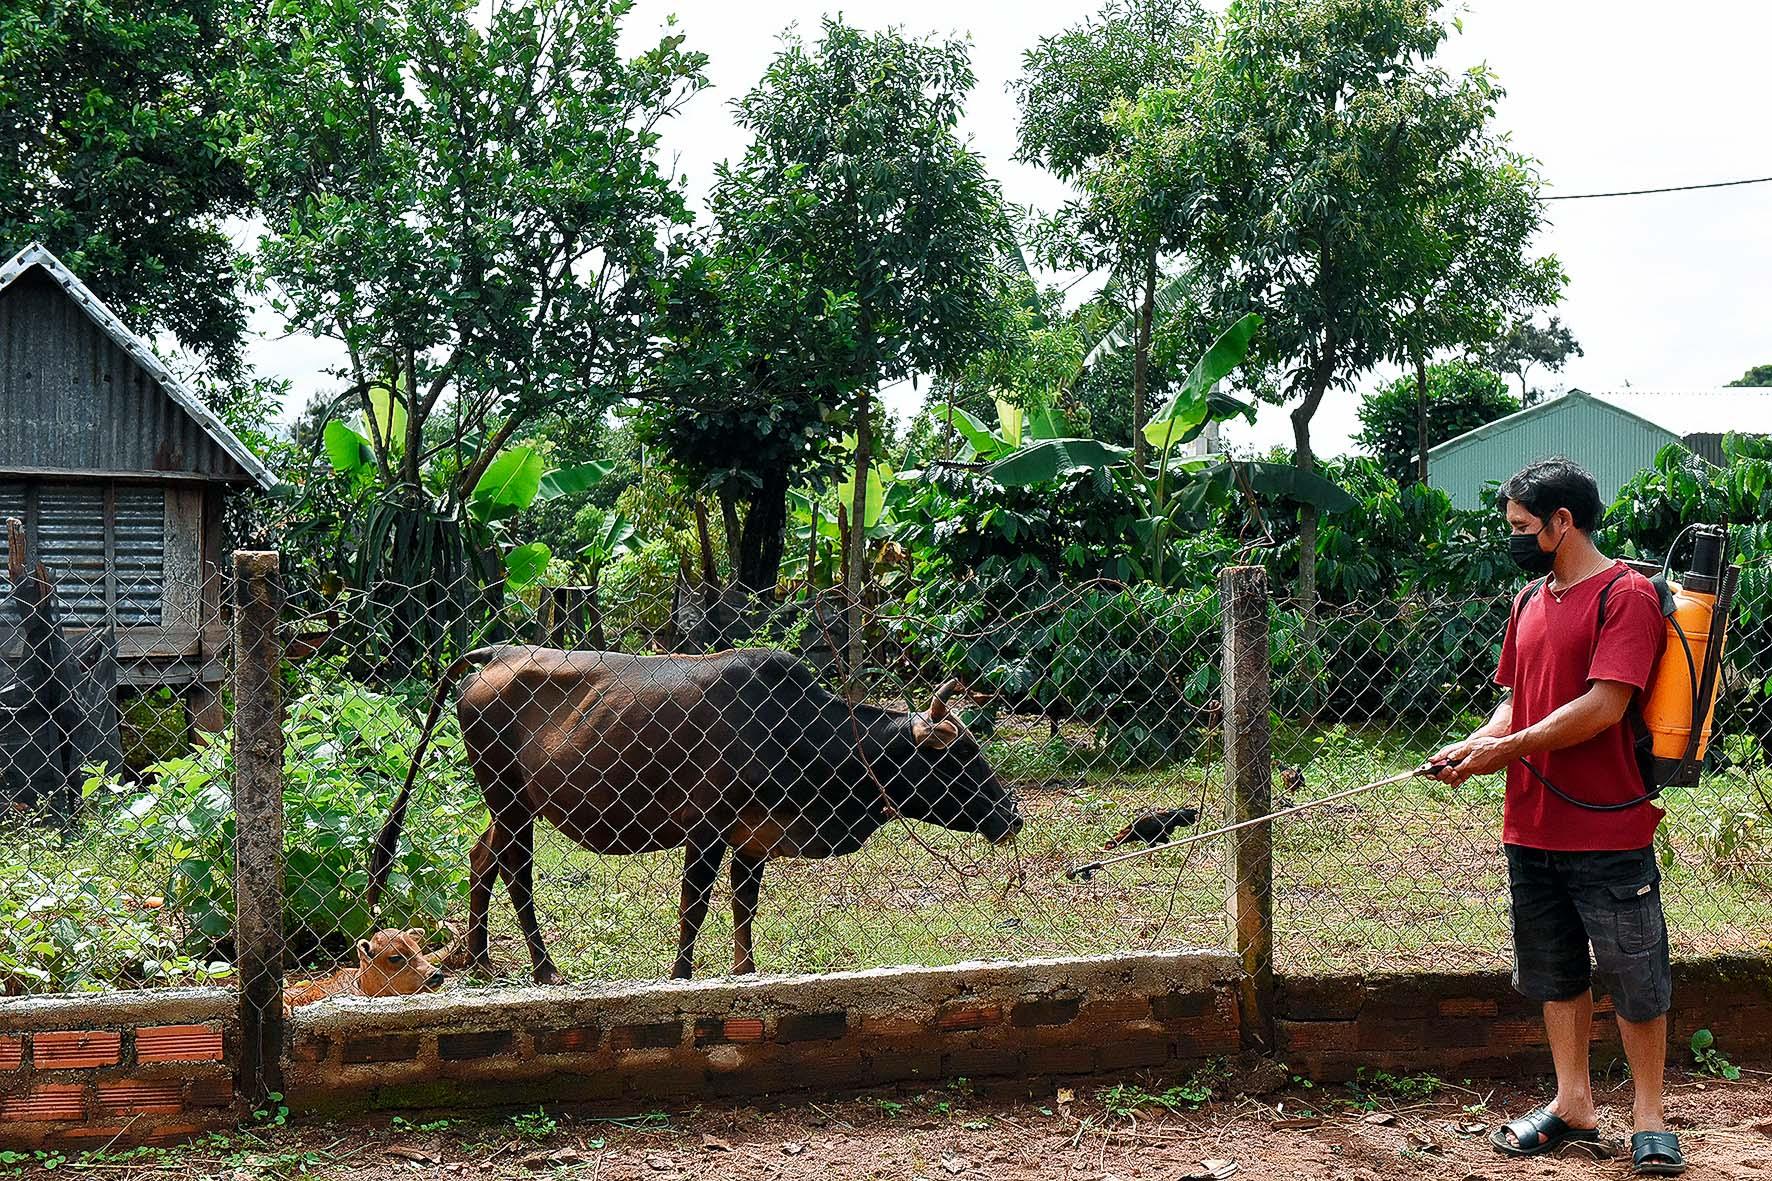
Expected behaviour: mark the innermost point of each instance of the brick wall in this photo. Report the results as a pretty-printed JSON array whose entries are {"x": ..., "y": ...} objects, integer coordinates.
[
  {"x": 1474, "y": 1025},
  {"x": 81, "y": 1072},
  {"x": 764, "y": 1035}
]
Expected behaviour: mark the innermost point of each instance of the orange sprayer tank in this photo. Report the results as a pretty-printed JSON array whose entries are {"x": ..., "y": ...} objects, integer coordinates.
[{"x": 1680, "y": 687}]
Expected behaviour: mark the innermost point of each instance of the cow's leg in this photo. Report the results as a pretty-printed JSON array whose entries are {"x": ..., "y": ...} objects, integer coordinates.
[
  {"x": 476, "y": 953},
  {"x": 747, "y": 881},
  {"x": 701, "y": 865},
  {"x": 517, "y": 866}
]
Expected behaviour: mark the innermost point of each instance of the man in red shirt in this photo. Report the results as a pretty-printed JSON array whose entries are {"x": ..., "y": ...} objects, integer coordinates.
[{"x": 1580, "y": 646}]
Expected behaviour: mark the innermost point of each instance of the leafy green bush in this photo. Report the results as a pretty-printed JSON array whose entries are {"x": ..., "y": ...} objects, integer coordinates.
[{"x": 348, "y": 751}]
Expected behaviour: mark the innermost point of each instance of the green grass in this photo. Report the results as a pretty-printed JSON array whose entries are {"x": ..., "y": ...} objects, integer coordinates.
[{"x": 1408, "y": 877}]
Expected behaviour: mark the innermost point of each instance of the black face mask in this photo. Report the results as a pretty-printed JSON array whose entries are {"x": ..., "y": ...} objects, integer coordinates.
[{"x": 1523, "y": 549}]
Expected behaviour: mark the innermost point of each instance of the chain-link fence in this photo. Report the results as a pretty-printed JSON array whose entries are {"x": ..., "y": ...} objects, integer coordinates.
[{"x": 822, "y": 796}]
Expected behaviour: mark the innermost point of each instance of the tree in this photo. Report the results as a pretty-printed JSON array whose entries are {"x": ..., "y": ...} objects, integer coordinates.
[
  {"x": 1759, "y": 375},
  {"x": 860, "y": 194},
  {"x": 469, "y": 201},
  {"x": 1470, "y": 269},
  {"x": 1461, "y": 397},
  {"x": 1323, "y": 132},
  {"x": 1097, "y": 109},
  {"x": 1527, "y": 344},
  {"x": 118, "y": 151}
]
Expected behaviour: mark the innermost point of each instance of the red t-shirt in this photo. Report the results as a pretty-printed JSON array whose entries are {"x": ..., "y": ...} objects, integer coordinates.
[{"x": 1552, "y": 651}]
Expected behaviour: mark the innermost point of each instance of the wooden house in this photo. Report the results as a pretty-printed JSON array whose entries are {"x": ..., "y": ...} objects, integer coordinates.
[{"x": 119, "y": 475}]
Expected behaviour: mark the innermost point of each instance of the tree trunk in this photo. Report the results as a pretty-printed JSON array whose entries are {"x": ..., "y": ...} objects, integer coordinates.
[
  {"x": 855, "y": 559},
  {"x": 763, "y": 536},
  {"x": 729, "y": 520},
  {"x": 1420, "y": 418},
  {"x": 1141, "y": 359},
  {"x": 710, "y": 573},
  {"x": 1321, "y": 371}
]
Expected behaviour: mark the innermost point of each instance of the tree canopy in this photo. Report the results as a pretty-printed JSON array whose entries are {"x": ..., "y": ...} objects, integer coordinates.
[
  {"x": 1461, "y": 397},
  {"x": 1759, "y": 375},
  {"x": 1526, "y": 345},
  {"x": 118, "y": 151}
]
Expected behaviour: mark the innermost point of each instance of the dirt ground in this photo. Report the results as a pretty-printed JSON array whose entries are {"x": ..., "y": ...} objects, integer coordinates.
[{"x": 1089, "y": 1133}]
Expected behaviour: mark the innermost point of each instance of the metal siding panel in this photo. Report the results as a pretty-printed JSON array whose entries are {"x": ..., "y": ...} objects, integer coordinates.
[
  {"x": 71, "y": 543},
  {"x": 1614, "y": 448},
  {"x": 72, "y": 399},
  {"x": 140, "y": 546}
]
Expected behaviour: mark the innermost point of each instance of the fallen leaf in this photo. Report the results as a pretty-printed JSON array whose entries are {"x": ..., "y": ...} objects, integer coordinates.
[
  {"x": 1471, "y": 1129},
  {"x": 417, "y": 1156},
  {"x": 1220, "y": 1169},
  {"x": 1422, "y": 1142},
  {"x": 560, "y": 1158},
  {"x": 954, "y": 1164},
  {"x": 715, "y": 1144},
  {"x": 1066, "y": 1095},
  {"x": 792, "y": 1148},
  {"x": 1383, "y": 1119},
  {"x": 1307, "y": 1121},
  {"x": 660, "y": 1164}
]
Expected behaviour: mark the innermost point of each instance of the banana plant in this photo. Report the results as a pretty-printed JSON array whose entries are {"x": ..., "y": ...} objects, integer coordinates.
[{"x": 1173, "y": 486}]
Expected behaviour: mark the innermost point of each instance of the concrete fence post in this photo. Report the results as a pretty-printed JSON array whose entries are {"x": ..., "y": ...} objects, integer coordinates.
[
  {"x": 1248, "y": 777},
  {"x": 258, "y": 823}
]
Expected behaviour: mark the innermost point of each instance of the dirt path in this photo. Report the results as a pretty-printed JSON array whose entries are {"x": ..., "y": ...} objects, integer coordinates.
[{"x": 1094, "y": 1134}]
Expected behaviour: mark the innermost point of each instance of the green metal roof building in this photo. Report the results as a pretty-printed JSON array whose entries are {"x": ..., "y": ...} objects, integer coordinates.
[{"x": 1611, "y": 442}]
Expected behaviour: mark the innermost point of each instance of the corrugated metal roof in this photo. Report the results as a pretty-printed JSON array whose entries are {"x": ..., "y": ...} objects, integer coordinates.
[
  {"x": 38, "y": 256},
  {"x": 1612, "y": 443},
  {"x": 1744, "y": 409}
]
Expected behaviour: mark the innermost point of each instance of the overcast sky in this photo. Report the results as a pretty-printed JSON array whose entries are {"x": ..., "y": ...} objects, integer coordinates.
[{"x": 1665, "y": 292}]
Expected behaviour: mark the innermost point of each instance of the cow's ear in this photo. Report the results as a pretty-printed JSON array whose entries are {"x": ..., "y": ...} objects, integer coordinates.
[
  {"x": 363, "y": 953},
  {"x": 936, "y": 735}
]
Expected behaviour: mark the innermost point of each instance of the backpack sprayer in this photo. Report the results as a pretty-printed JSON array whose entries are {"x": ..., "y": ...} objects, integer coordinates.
[{"x": 1671, "y": 721}]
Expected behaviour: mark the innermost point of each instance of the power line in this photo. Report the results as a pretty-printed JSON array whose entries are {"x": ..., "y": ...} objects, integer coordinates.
[{"x": 1721, "y": 184}]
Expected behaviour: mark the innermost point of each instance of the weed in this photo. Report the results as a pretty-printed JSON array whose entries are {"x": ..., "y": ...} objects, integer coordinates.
[
  {"x": 1710, "y": 1060},
  {"x": 535, "y": 1125},
  {"x": 1126, "y": 1099},
  {"x": 891, "y": 1107},
  {"x": 1367, "y": 1089}
]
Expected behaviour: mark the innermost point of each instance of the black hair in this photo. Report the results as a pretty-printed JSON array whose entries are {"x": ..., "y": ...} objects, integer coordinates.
[{"x": 1550, "y": 484}]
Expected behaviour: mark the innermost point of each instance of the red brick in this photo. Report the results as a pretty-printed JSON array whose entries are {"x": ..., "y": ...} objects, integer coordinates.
[
  {"x": 312, "y": 1047},
  {"x": 212, "y": 1092},
  {"x": 967, "y": 1017},
  {"x": 1054, "y": 1011},
  {"x": 657, "y": 1035},
  {"x": 812, "y": 1027},
  {"x": 386, "y": 1047},
  {"x": 713, "y": 1031},
  {"x": 178, "y": 1043},
  {"x": 481, "y": 1043},
  {"x": 1178, "y": 1006},
  {"x": 1128, "y": 1054},
  {"x": 1310, "y": 1036},
  {"x": 981, "y": 1062},
  {"x": 167, "y": 1134},
  {"x": 75, "y": 1049},
  {"x": 141, "y": 1097},
  {"x": 12, "y": 1052},
  {"x": 1060, "y": 1060},
  {"x": 580, "y": 1039},
  {"x": 1470, "y": 1007},
  {"x": 1516, "y": 1035},
  {"x": 744, "y": 1029},
  {"x": 45, "y": 1102}
]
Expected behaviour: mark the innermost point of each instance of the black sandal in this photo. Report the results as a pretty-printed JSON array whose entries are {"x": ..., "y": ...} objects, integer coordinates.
[
  {"x": 1656, "y": 1154},
  {"x": 1538, "y": 1132}
]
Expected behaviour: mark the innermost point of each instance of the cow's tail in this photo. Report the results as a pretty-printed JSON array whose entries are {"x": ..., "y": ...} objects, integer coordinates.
[{"x": 382, "y": 858}]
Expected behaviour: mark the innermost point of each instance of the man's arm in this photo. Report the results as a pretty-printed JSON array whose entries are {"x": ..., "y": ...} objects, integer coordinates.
[
  {"x": 1591, "y": 714},
  {"x": 1501, "y": 720}
]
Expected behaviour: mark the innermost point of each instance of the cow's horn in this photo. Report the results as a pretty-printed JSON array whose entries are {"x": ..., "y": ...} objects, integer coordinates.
[{"x": 938, "y": 706}]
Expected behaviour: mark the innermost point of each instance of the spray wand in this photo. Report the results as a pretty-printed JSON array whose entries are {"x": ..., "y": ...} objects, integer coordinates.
[{"x": 1087, "y": 870}]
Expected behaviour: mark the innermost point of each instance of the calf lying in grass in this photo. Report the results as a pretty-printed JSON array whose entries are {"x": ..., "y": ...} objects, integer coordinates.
[{"x": 390, "y": 963}]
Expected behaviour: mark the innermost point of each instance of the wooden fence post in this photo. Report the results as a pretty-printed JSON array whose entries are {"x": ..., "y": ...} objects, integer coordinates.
[
  {"x": 258, "y": 823},
  {"x": 1248, "y": 778}
]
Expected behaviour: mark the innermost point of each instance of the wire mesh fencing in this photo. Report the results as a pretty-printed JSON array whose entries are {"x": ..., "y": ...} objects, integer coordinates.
[{"x": 699, "y": 781}]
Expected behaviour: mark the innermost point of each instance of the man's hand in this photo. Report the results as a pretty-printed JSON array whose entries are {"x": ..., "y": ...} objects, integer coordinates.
[{"x": 1480, "y": 754}]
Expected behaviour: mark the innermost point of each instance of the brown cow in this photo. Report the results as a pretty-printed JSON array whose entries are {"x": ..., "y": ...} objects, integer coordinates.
[
  {"x": 742, "y": 750},
  {"x": 389, "y": 963}
]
